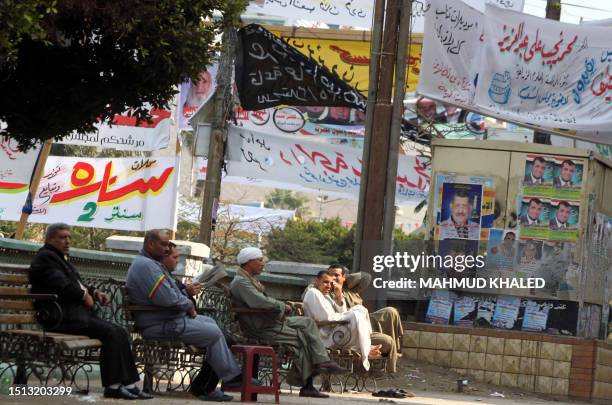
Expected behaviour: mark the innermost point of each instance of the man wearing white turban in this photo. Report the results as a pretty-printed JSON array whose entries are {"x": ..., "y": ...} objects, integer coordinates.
[{"x": 299, "y": 334}]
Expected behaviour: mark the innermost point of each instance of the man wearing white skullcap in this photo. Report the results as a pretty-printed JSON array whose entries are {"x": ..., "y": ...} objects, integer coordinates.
[{"x": 299, "y": 334}]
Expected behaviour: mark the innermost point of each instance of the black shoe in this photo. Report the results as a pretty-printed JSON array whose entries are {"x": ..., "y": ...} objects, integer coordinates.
[
  {"x": 120, "y": 393},
  {"x": 140, "y": 394},
  {"x": 312, "y": 392},
  {"x": 331, "y": 367}
]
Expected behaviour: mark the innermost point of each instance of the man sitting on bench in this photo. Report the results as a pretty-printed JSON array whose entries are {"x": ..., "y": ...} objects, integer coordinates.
[
  {"x": 319, "y": 305},
  {"x": 52, "y": 273},
  {"x": 298, "y": 333},
  {"x": 150, "y": 283}
]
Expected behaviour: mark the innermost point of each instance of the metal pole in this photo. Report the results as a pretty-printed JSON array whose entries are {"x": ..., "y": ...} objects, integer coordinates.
[
  {"x": 396, "y": 124},
  {"x": 375, "y": 46}
]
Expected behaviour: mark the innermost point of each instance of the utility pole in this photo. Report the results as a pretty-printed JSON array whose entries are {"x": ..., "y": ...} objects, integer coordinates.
[
  {"x": 220, "y": 112},
  {"x": 553, "y": 12}
]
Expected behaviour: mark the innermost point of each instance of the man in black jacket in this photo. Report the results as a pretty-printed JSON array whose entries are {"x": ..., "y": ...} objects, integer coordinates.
[{"x": 51, "y": 273}]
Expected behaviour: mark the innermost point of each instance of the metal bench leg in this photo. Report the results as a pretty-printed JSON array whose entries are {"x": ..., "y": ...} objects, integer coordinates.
[
  {"x": 21, "y": 376},
  {"x": 147, "y": 382}
]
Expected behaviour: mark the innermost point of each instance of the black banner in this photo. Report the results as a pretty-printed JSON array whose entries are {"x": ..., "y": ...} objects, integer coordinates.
[{"x": 270, "y": 72}]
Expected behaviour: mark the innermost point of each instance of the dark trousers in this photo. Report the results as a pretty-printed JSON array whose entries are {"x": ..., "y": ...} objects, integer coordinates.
[
  {"x": 206, "y": 380},
  {"x": 116, "y": 359}
]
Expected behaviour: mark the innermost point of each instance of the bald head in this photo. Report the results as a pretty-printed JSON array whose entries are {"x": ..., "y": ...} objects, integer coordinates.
[{"x": 156, "y": 243}]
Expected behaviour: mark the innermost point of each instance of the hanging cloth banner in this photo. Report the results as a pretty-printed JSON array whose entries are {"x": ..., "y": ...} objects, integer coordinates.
[
  {"x": 16, "y": 170},
  {"x": 356, "y": 13},
  {"x": 528, "y": 70},
  {"x": 125, "y": 133},
  {"x": 132, "y": 194},
  {"x": 315, "y": 165},
  {"x": 269, "y": 72},
  {"x": 546, "y": 73}
]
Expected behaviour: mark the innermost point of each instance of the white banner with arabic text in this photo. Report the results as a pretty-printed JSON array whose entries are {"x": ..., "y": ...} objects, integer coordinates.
[
  {"x": 125, "y": 134},
  {"x": 315, "y": 165},
  {"x": 132, "y": 194},
  {"x": 16, "y": 169}
]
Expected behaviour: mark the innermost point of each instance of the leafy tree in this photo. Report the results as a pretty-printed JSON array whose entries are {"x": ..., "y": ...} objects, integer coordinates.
[
  {"x": 288, "y": 200},
  {"x": 71, "y": 63}
]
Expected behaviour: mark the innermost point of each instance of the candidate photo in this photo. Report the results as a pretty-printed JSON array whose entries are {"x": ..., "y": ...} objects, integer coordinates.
[
  {"x": 567, "y": 173},
  {"x": 533, "y": 212},
  {"x": 564, "y": 216},
  {"x": 461, "y": 206},
  {"x": 537, "y": 172}
]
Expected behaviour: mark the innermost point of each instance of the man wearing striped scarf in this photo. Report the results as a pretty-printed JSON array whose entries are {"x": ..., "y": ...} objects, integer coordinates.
[{"x": 150, "y": 283}]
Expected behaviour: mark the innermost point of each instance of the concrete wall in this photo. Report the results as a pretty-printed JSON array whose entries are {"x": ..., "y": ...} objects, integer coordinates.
[{"x": 552, "y": 365}]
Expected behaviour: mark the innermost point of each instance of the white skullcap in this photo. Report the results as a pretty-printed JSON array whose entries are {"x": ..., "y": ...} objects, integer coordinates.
[{"x": 247, "y": 254}]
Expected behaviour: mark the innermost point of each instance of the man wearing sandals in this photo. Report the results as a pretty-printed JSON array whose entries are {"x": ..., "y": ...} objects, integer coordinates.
[
  {"x": 298, "y": 334},
  {"x": 319, "y": 306}
]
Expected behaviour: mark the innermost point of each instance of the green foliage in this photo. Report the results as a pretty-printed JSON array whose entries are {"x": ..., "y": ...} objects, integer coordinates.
[
  {"x": 288, "y": 200},
  {"x": 310, "y": 241},
  {"x": 98, "y": 58}
]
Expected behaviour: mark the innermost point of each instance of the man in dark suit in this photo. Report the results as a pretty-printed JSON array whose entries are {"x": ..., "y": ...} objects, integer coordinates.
[
  {"x": 536, "y": 176},
  {"x": 560, "y": 220},
  {"x": 532, "y": 217},
  {"x": 51, "y": 273},
  {"x": 565, "y": 176}
]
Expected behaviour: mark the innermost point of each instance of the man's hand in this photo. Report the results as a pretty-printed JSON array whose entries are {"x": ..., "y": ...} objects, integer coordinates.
[
  {"x": 102, "y": 298},
  {"x": 288, "y": 308},
  {"x": 337, "y": 288},
  {"x": 193, "y": 289},
  {"x": 88, "y": 300},
  {"x": 192, "y": 312}
]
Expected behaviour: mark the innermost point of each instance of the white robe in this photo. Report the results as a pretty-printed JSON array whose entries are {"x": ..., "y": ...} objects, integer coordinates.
[{"x": 322, "y": 308}]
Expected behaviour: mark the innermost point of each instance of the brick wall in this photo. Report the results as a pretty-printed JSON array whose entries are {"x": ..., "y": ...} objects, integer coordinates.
[{"x": 552, "y": 365}]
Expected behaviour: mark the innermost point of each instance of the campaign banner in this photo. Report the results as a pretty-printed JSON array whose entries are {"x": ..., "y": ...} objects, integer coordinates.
[
  {"x": 132, "y": 194},
  {"x": 125, "y": 133},
  {"x": 192, "y": 96},
  {"x": 315, "y": 165},
  {"x": 16, "y": 168},
  {"x": 351, "y": 58},
  {"x": 331, "y": 122},
  {"x": 451, "y": 52},
  {"x": 270, "y": 72},
  {"x": 355, "y": 13},
  {"x": 545, "y": 73}
]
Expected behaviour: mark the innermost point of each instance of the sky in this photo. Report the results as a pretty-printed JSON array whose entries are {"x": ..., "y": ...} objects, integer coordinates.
[{"x": 573, "y": 10}]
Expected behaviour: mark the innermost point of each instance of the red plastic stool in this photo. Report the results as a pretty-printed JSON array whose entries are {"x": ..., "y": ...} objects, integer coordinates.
[{"x": 249, "y": 391}]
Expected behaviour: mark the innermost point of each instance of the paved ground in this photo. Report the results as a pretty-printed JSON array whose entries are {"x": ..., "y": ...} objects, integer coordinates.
[{"x": 421, "y": 398}]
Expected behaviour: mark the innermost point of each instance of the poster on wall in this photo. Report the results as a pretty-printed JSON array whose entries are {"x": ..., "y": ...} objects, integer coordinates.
[
  {"x": 502, "y": 249},
  {"x": 534, "y": 214},
  {"x": 134, "y": 194},
  {"x": 193, "y": 95},
  {"x": 564, "y": 220},
  {"x": 567, "y": 178},
  {"x": 440, "y": 306},
  {"x": 465, "y": 308},
  {"x": 535, "y": 317},
  {"x": 538, "y": 176},
  {"x": 506, "y": 312},
  {"x": 529, "y": 257}
]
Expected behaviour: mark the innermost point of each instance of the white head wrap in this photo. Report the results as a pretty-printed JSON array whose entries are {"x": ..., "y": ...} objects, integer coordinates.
[{"x": 247, "y": 254}]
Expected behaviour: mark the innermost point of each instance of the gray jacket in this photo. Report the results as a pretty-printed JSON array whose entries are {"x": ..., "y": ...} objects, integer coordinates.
[{"x": 149, "y": 283}]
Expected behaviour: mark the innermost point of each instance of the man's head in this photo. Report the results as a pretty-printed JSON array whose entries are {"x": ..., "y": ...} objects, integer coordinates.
[
  {"x": 537, "y": 167},
  {"x": 170, "y": 261},
  {"x": 58, "y": 236},
  {"x": 530, "y": 251},
  {"x": 338, "y": 273},
  {"x": 461, "y": 207},
  {"x": 509, "y": 239},
  {"x": 567, "y": 170},
  {"x": 156, "y": 243},
  {"x": 323, "y": 282},
  {"x": 563, "y": 212},
  {"x": 534, "y": 209},
  {"x": 252, "y": 260}
]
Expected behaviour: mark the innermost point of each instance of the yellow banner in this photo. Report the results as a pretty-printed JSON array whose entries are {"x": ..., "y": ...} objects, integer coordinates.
[{"x": 350, "y": 59}]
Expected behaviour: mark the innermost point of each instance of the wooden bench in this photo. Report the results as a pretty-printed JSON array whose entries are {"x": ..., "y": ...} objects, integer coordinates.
[{"x": 26, "y": 349}]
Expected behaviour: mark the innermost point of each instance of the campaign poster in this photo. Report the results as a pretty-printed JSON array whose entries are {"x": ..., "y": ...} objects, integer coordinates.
[
  {"x": 506, "y": 312},
  {"x": 460, "y": 211},
  {"x": 536, "y": 316},
  {"x": 563, "y": 220},
  {"x": 567, "y": 178},
  {"x": 529, "y": 257},
  {"x": 538, "y": 176},
  {"x": 440, "y": 307},
  {"x": 484, "y": 315},
  {"x": 464, "y": 307},
  {"x": 557, "y": 265},
  {"x": 451, "y": 249},
  {"x": 502, "y": 249},
  {"x": 534, "y": 215}
]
